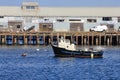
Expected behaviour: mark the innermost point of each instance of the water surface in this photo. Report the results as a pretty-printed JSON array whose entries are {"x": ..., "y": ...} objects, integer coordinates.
[{"x": 42, "y": 65}]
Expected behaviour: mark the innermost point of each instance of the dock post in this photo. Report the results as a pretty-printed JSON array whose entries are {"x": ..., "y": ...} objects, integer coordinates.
[
  {"x": 57, "y": 37},
  {"x": 81, "y": 39},
  {"x": 30, "y": 36},
  {"x": 105, "y": 39},
  {"x": 92, "y": 38},
  {"x": 111, "y": 39},
  {"x": 96, "y": 40},
  {"x": 108, "y": 41},
  {"x": 44, "y": 38},
  {"x": 84, "y": 39},
  {"x": 118, "y": 43},
  {"x": 49, "y": 40},
  {"x": 25, "y": 39},
  {"x": 3, "y": 39},
  {"x": 88, "y": 40},
  {"x": 100, "y": 39},
  {"x": 117, "y": 39},
  {"x": 0, "y": 39},
  {"x": 76, "y": 38},
  {"x": 64, "y": 35},
  {"x": 15, "y": 39},
  {"x": 37, "y": 39},
  {"x": 51, "y": 37}
]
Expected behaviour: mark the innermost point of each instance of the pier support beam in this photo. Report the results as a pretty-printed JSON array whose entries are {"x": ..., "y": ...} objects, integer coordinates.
[
  {"x": 82, "y": 42},
  {"x": 92, "y": 39},
  {"x": 117, "y": 39},
  {"x": 76, "y": 38},
  {"x": 108, "y": 41},
  {"x": 15, "y": 39},
  {"x": 57, "y": 37},
  {"x": 38, "y": 41},
  {"x": 100, "y": 39},
  {"x": 3, "y": 39},
  {"x": 44, "y": 38},
  {"x": 85, "y": 40},
  {"x": 104, "y": 39},
  {"x": 51, "y": 37},
  {"x": 25, "y": 39},
  {"x": 88, "y": 40},
  {"x": 64, "y": 35},
  {"x": 97, "y": 40}
]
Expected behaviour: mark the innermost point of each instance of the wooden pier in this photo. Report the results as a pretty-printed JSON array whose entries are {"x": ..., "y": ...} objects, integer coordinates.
[{"x": 45, "y": 38}]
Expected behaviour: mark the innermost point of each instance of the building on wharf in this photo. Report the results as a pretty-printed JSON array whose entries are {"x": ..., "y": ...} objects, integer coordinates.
[{"x": 37, "y": 24}]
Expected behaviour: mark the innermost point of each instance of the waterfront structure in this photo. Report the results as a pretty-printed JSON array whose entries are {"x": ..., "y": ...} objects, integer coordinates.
[
  {"x": 34, "y": 24},
  {"x": 15, "y": 18},
  {"x": 45, "y": 38}
]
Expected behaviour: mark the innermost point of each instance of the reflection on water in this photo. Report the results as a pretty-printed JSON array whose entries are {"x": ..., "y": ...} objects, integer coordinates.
[{"x": 42, "y": 65}]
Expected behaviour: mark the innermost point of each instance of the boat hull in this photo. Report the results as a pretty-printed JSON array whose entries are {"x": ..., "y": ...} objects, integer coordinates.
[{"x": 61, "y": 52}]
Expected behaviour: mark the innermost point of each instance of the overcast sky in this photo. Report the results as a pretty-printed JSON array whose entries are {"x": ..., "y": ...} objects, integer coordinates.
[{"x": 101, "y": 3}]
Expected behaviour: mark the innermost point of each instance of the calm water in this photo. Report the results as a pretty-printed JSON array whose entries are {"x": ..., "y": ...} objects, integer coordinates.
[{"x": 42, "y": 65}]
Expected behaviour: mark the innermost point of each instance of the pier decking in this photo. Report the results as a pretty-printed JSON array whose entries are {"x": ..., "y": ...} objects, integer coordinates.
[{"x": 45, "y": 38}]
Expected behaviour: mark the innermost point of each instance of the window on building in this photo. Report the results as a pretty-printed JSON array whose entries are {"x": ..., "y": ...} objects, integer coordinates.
[
  {"x": 110, "y": 25},
  {"x": 1, "y": 16},
  {"x": 74, "y": 19},
  {"x": 44, "y": 26},
  {"x": 91, "y": 20},
  {"x": 30, "y": 7},
  {"x": 118, "y": 19},
  {"x": 60, "y": 20},
  {"x": 1, "y": 25},
  {"x": 46, "y": 19},
  {"x": 50, "y": 26},
  {"x": 107, "y": 18}
]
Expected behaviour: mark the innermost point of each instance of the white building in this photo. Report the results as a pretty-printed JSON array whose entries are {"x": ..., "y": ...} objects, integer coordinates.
[{"x": 62, "y": 18}]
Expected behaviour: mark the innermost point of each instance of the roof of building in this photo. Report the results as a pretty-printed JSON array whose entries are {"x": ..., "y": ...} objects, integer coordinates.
[
  {"x": 29, "y": 3},
  {"x": 61, "y": 11}
]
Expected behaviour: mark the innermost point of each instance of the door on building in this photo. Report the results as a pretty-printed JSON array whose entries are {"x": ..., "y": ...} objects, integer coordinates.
[{"x": 76, "y": 27}]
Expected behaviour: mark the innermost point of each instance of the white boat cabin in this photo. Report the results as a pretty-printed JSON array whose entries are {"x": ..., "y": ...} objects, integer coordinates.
[{"x": 63, "y": 43}]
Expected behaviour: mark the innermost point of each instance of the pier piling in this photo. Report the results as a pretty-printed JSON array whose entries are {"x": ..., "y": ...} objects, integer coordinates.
[{"x": 80, "y": 38}]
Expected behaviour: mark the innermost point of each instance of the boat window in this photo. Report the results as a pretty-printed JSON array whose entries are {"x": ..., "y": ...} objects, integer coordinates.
[{"x": 67, "y": 41}]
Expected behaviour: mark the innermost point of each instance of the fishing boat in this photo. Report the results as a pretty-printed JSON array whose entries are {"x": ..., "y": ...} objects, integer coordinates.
[{"x": 65, "y": 48}]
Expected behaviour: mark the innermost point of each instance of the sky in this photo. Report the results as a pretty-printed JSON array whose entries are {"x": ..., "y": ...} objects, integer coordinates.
[{"x": 100, "y": 3}]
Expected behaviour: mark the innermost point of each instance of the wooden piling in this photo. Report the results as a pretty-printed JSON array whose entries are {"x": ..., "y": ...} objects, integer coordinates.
[
  {"x": 38, "y": 41},
  {"x": 100, "y": 39},
  {"x": 86, "y": 38},
  {"x": 92, "y": 39},
  {"x": 82, "y": 39},
  {"x": 44, "y": 38},
  {"x": 25, "y": 39},
  {"x": 76, "y": 38}
]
